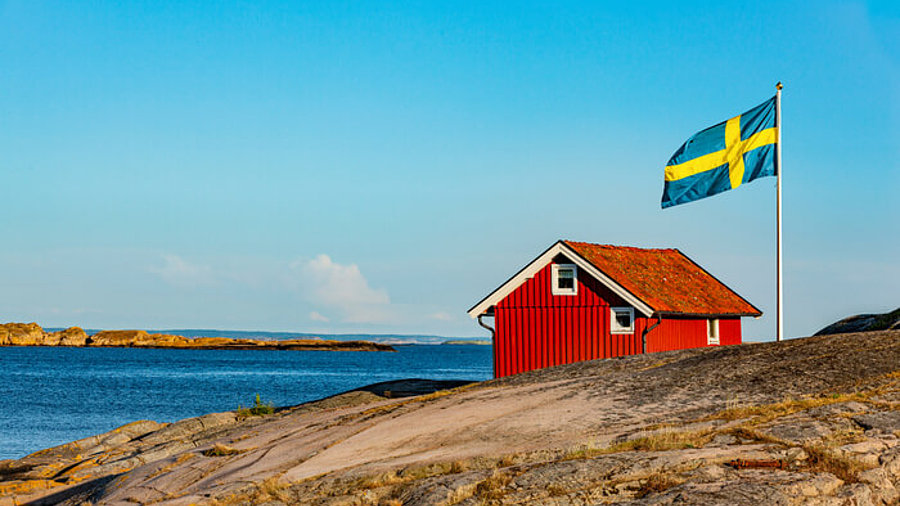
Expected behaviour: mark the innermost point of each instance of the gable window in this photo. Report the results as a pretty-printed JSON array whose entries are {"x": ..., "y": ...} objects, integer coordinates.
[
  {"x": 621, "y": 320},
  {"x": 564, "y": 280},
  {"x": 712, "y": 331}
]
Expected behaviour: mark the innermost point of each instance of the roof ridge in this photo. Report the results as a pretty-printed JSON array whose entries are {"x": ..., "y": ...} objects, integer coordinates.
[{"x": 567, "y": 241}]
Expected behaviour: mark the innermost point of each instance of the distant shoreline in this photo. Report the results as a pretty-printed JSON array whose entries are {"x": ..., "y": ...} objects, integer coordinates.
[
  {"x": 391, "y": 339},
  {"x": 31, "y": 334}
]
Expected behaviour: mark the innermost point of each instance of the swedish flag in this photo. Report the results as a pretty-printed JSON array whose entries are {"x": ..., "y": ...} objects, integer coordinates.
[{"x": 723, "y": 156}]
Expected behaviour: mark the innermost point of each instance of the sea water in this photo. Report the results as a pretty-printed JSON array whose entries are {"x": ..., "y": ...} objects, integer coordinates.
[{"x": 55, "y": 395}]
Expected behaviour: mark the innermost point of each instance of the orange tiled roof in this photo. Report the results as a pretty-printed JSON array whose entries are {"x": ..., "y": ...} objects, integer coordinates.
[{"x": 664, "y": 279}]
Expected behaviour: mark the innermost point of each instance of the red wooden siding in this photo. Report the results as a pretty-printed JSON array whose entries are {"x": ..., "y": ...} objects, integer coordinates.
[
  {"x": 676, "y": 334},
  {"x": 730, "y": 331},
  {"x": 536, "y": 329}
]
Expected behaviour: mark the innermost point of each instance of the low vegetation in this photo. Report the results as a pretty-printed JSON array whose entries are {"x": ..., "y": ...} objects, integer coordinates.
[
  {"x": 665, "y": 440},
  {"x": 270, "y": 490},
  {"x": 657, "y": 483},
  {"x": 220, "y": 450},
  {"x": 259, "y": 408},
  {"x": 492, "y": 486},
  {"x": 767, "y": 412},
  {"x": 823, "y": 460}
]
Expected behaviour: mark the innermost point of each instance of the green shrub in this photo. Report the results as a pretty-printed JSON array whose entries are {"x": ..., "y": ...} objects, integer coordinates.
[{"x": 259, "y": 408}]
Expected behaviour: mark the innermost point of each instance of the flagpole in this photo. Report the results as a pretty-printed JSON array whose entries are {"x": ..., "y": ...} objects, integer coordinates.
[{"x": 780, "y": 297}]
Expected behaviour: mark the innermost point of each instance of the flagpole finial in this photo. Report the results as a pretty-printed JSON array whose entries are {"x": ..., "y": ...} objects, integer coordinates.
[{"x": 778, "y": 86}]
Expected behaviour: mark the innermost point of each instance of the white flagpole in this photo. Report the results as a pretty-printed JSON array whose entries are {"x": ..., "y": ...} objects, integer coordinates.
[{"x": 780, "y": 297}]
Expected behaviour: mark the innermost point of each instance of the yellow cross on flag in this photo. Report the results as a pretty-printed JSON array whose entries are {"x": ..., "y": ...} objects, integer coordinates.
[{"x": 722, "y": 157}]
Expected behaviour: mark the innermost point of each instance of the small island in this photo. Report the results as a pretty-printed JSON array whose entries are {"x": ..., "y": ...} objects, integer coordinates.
[
  {"x": 31, "y": 334},
  {"x": 480, "y": 342}
]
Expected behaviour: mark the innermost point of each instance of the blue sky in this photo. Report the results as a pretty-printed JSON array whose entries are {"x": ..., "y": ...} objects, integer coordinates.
[{"x": 380, "y": 167}]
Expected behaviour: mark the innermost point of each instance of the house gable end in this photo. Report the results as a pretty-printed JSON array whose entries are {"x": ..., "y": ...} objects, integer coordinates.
[
  {"x": 559, "y": 249},
  {"x": 536, "y": 292}
]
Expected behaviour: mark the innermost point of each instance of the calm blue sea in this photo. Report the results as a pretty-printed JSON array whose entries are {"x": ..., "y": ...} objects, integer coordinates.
[{"x": 52, "y": 396}]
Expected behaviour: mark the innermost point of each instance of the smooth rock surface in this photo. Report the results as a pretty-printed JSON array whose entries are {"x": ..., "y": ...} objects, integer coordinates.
[{"x": 647, "y": 429}]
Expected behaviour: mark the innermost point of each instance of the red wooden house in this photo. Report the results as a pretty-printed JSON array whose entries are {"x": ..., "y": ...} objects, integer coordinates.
[{"x": 581, "y": 301}]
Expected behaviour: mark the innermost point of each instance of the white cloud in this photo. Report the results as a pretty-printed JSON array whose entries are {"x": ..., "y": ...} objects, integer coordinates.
[
  {"x": 344, "y": 288},
  {"x": 178, "y": 272},
  {"x": 318, "y": 317},
  {"x": 441, "y": 315}
]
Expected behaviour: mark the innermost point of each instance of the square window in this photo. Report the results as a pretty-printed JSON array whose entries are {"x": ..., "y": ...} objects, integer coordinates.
[
  {"x": 621, "y": 320},
  {"x": 564, "y": 280}
]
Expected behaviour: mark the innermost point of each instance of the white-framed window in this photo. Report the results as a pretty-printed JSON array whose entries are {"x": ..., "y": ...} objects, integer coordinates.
[
  {"x": 621, "y": 320},
  {"x": 564, "y": 280},
  {"x": 712, "y": 331}
]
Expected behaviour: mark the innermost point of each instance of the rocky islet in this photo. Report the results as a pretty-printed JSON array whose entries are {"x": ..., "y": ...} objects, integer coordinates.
[{"x": 31, "y": 334}]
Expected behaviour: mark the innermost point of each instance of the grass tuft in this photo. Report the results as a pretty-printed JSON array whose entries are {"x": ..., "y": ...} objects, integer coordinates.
[
  {"x": 220, "y": 450},
  {"x": 749, "y": 433},
  {"x": 825, "y": 461},
  {"x": 786, "y": 407},
  {"x": 492, "y": 487},
  {"x": 657, "y": 483},
  {"x": 556, "y": 490},
  {"x": 665, "y": 440},
  {"x": 266, "y": 491},
  {"x": 259, "y": 408},
  {"x": 655, "y": 442},
  {"x": 381, "y": 480}
]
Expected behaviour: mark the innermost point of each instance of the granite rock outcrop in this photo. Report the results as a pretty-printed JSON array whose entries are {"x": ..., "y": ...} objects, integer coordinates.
[
  {"x": 804, "y": 421},
  {"x": 21, "y": 334},
  {"x": 868, "y": 322}
]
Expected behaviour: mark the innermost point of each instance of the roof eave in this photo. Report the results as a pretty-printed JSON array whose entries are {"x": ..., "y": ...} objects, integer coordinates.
[
  {"x": 706, "y": 315},
  {"x": 758, "y": 311}
]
